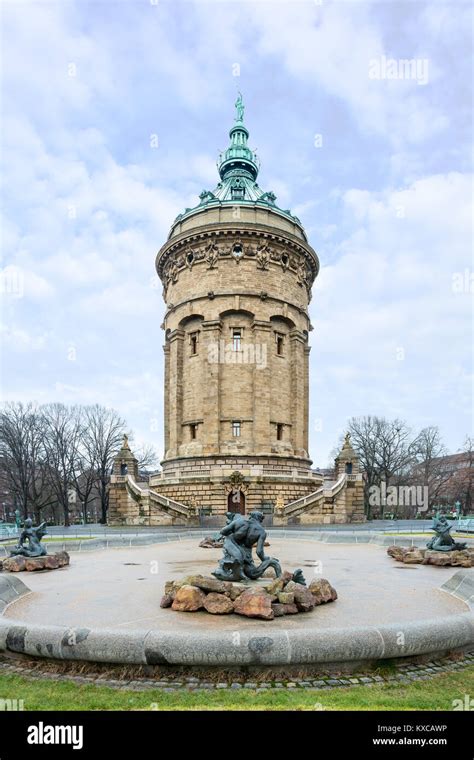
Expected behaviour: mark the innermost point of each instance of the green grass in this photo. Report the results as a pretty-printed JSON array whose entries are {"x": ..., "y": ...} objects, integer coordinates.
[{"x": 436, "y": 694}]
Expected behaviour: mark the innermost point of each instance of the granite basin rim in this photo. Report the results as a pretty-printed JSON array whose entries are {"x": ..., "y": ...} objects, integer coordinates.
[{"x": 260, "y": 645}]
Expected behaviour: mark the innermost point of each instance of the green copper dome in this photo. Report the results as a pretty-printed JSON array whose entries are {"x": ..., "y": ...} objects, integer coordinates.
[{"x": 238, "y": 168}]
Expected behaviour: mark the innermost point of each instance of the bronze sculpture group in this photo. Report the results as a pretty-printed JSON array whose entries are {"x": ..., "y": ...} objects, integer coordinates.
[
  {"x": 240, "y": 535},
  {"x": 29, "y": 544},
  {"x": 443, "y": 541}
]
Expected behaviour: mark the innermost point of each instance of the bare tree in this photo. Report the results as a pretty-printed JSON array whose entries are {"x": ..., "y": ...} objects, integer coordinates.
[
  {"x": 103, "y": 433},
  {"x": 428, "y": 467},
  {"x": 394, "y": 454},
  {"x": 384, "y": 450},
  {"x": 85, "y": 474},
  {"x": 363, "y": 431},
  {"x": 63, "y": 430},
  {"x": 22, "y": 450},
  {"x": 147, "y": 457}
]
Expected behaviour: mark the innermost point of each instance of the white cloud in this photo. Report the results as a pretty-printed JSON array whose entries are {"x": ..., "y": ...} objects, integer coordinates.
[
  {"x": 391, "y": 335},
  {"x": 88, "y": 202}
]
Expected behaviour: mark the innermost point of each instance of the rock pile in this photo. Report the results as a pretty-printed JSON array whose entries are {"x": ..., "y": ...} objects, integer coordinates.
[
  {"x": 281, "y": 596},
  {"x": 49, "y": 562},
  {"x": 413, "y": 555},
  {"x": 211, "y": 543}
]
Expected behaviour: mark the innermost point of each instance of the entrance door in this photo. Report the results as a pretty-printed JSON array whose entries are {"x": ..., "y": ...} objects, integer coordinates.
[{"x": 236, "y": 501}]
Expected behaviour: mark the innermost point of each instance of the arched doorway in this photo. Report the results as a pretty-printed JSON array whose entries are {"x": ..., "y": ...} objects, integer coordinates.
[{"x": 236, "y": 501}]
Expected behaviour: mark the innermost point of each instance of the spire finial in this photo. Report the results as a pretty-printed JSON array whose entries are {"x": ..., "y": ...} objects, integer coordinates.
[{"x": 239, "y": 107}]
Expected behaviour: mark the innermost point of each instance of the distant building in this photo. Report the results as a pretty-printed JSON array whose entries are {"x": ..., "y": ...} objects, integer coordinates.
[{"x": 456, "y": 480}]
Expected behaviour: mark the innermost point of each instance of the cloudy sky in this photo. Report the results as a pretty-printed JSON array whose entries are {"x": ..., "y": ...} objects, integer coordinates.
[{"x": 373, "y": 156}]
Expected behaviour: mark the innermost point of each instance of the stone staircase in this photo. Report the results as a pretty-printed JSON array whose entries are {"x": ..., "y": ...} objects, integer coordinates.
[{"x": 331, "y": 502}]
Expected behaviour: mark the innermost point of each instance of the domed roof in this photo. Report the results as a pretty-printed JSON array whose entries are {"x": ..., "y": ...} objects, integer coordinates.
[{"x": 238, "y": 168}]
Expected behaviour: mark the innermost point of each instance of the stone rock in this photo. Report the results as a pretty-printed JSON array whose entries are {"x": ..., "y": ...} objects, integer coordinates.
[
  {"x": 170, "y": 588},
  {"x": 211, "y": 543},
  {"x": 254, "y": 605},
  {"x": 396, "y": 552},
  {"x": 236, "y": 590},
  {"x": 218, "y": 604},
  {"x": 188, "y": 599},
  {"x": 414, "y": 556},
  {"x": 291, "y": 586},
  {"x": 35, "y": 563},
  {"x": 286, "y": 597},
  {"x": 286, "y": 577},
  {"x": 275, "y": 587},
  {"x": 441, "y": 559},
  {"x": 411, "y": 555},
  {"x": 46, "y": 562},
  {"x": 322, "y": 591},
  {"x": 14, "y": 564},
  {"x": 304, "y": 599},
  {"x": 456, "y": 558},
  {"x": 278, "y": 609},
  {"x": 63, "y": 558},
  {"x": 284, "y": 609},
  {"x": 206, "y": 583},
  {"x": 166, "y": 601},
  {"x": 51, "y": 562}
]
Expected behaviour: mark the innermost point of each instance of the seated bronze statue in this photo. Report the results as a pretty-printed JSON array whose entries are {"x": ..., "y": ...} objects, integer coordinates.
[
  {"x": 443, "y": 541},
  {"x": 241, "y": 534},
  {"x": 29, "y": 544}
]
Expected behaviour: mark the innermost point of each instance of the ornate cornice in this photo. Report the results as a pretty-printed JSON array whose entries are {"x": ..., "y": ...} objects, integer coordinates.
[{"x": 215, "y": 244}]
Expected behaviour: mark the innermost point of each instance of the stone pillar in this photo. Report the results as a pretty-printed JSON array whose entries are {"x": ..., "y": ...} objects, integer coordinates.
[
  {"x": 299, "y": 401},
  {"x": 125, "y": 463},
  {"x": 261, "y": 391},
  {"x": 211, "y": 392},
  {"x": 307, "y": 351},
  {"x": 175, "y": 400},
  {"x": 166, "y": 395},
  {"x": 122, "y": 508},
  {"x": 347, "y": 461}
]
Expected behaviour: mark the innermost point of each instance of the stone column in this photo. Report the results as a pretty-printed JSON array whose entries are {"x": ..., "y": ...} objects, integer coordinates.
[
  {"x": 261, "y": 391},
  {"x": 175, "y": 399},
  {"x": 211, "y": 406},
  {"x": 298, "y": 399},
  {"x": 307, "y": 351},
  {"x": 166, "y": 399}
]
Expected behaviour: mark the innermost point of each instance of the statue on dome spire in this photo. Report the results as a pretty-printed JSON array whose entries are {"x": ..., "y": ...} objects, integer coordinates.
[{"x": 239, "y": 107}]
